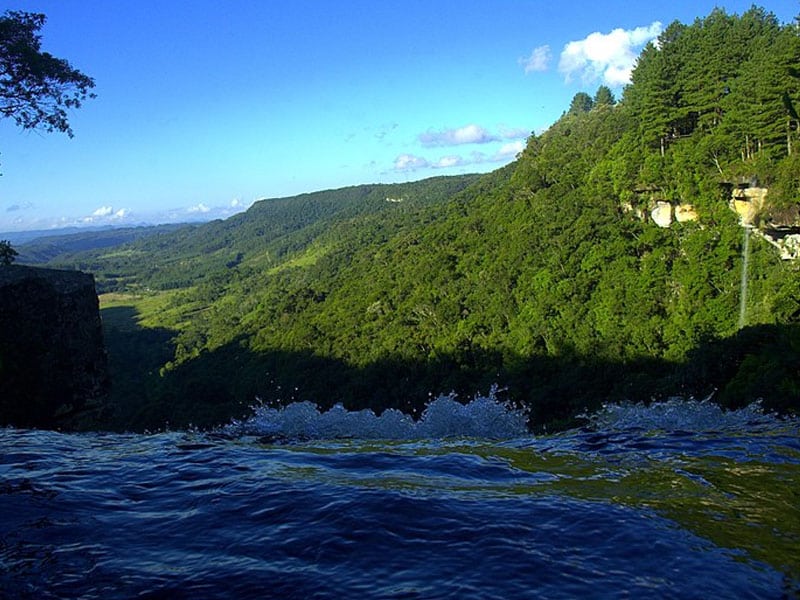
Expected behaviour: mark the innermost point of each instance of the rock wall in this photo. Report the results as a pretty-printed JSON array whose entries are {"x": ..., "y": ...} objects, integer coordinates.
[
  {"x": 53, "y": 365},
  {"x": 663, "y": 213},
  {"x": 748, "y": 202}
]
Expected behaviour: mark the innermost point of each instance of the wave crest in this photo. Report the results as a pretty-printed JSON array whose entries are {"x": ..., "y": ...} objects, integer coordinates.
[
  {"x": 445, "y": 417},
  {"x": 679, "y": 414}
]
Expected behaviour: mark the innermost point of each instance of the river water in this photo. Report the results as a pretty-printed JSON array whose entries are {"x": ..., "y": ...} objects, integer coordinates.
[{"x": 675, "y": 500}]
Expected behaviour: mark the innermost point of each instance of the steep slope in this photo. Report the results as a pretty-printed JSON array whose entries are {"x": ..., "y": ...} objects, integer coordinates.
[{"x": 534, "y": 278}]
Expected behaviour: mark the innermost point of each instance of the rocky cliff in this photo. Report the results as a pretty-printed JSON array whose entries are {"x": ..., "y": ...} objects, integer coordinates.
[
  {"x": 53, "y": 367},
  {"x": 746, "y": 199},
  {"x": 750, "y": 202}
]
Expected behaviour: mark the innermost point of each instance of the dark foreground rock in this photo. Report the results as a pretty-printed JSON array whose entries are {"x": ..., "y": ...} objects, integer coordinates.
[{"x": 53, "y": 365}]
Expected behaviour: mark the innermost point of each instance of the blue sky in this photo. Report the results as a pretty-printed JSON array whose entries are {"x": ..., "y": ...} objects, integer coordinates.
[{"x": 206, "y": 106}]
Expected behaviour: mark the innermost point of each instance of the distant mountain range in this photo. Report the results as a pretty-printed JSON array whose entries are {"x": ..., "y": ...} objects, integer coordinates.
[
  {"x": 37, "y": 247},
  {"x": 22, "y": 237}
]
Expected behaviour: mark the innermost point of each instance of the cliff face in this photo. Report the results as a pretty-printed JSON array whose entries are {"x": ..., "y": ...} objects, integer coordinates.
[
  {"x": 749, "y": 202},
  {"x": 53, "y": 366}
]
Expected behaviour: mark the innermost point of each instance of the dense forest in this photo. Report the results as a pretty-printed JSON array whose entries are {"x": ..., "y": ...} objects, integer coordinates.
[{"x": 545, "y": 277}]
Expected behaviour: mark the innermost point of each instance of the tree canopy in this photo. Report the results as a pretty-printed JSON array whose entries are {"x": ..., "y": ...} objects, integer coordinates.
[
  {"x": 36, "y": 88},
  {"x": 604, "y": 97},
  {"x": 581, "y": 102},
  {"x": 732, "y": 81},
  {"x": 7, "y": 253}
]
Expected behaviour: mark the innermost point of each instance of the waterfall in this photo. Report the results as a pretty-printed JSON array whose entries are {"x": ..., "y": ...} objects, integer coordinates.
[{"x": 743, "y": 291}]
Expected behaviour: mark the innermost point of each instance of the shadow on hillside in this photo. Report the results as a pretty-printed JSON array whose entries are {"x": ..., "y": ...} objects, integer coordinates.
[
  {"x": 759, "y": 362},
  {"x": 135, "y": 356}
]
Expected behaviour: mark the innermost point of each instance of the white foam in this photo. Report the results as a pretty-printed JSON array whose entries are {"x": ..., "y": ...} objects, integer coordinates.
[
  {"x": 444, "y": 417},
  {"x": 486, "y": 417},
  {"x": 678, "y": 414}
]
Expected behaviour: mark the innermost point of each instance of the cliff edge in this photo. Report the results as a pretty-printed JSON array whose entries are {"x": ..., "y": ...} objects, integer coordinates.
[{"x": 53, "y": 364}]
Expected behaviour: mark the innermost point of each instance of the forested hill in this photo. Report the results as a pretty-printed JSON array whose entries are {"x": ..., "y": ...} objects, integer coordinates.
[
  {"x": 268, "y": 234},
  {"x": 49, "y": 247},
  {"x": 546, "y": 276}
]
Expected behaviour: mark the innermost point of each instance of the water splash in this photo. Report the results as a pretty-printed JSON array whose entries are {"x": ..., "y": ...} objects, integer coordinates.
[
  {"x": 743, "y": 290},
  {"x": 445, "y": 417},
  {"x": 486, "y": 417},
  {"x": 678, "y": 414}
]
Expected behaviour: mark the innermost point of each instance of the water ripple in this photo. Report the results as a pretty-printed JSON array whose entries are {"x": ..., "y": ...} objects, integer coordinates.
[{"x": 601, "y": 512}]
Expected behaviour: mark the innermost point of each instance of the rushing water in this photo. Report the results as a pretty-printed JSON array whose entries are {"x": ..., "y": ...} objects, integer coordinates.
[{"x": 678, "y": 500}]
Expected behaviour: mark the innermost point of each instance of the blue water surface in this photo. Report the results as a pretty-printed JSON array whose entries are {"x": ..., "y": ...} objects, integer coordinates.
[{"x": 619, "y": 509}]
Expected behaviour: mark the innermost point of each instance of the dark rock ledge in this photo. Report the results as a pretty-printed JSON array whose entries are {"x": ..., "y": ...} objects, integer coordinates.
[{"x": 53, "y": 364}]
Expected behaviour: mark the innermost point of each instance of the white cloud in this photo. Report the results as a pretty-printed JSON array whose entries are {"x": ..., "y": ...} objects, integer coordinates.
[
  {"x": 104, "y": 214},
  {"x": 198, "y": 208},
  {"x": 539, "y": 60},
  {"x": 509, "y": 141},
  {"x": 447, "y": 162},
  {"x": 103, "y": 211},
  {"x": 205, "y": 211},
  {"x": 608, "y": 57},
  {"x": 469, "y": 134},
  {"x": 509, "y": 150},
  {"x": 506, "y": 153},
  {"x": 409, "y": 162}
]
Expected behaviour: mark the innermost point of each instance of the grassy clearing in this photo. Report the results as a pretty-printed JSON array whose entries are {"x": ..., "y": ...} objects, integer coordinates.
[
  {"x": 124, "y": 253},
  {"x": 154, "y": 309},
  {"x": 306, "y": 259}
]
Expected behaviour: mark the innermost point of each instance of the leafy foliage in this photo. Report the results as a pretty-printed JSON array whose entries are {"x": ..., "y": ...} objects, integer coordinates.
[
  {"x": 36, "y": 88},
  {"x": 722, "y": 95},
  {"x": 7, "y": 253},
  {"x": 581, "y": 103},
  {"x": 604, "y": 97}
]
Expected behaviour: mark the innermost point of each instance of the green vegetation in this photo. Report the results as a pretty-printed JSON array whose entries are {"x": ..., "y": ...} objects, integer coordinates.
[
  {"x": 59, "y": 248},
  {"x": 539, "y": 276},
  {"x": 36, "y": 88},
  {"x": 7, "y": 253}
]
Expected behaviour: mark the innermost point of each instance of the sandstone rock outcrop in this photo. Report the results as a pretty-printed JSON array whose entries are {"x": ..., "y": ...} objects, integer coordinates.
[
  {"x": 748, "y": 202},
  {"x": 662, "y": 214},
  {"x": 685, "y": 213}
]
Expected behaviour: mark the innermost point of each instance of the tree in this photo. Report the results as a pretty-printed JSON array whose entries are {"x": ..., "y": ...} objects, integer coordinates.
[
  {"x": 651, "y": 97},
  {"x": 36, "y": 88},
  {"x": 7, "y": 253},
  {"x": 581, "y": 103},
  {"x": 604, "y": 97}
]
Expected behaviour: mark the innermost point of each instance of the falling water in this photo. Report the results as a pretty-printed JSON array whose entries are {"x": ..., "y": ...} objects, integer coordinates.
[{"x": 743, "y": 292}]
